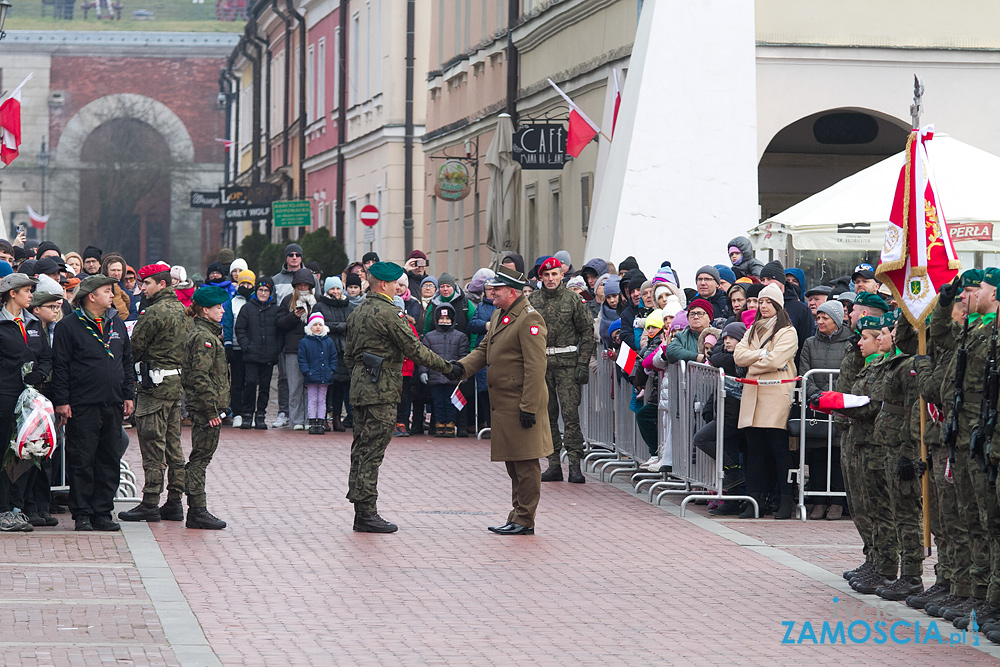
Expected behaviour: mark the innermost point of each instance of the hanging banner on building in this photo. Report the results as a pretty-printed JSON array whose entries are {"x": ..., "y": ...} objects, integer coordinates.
[
  {"x": 452, "y": 181},
  {"x": 540, "y": 146},
  {"x": 295, "y": 213},
  {"x": 248, "y": 212},
  {"x": 263, "y": 193}
]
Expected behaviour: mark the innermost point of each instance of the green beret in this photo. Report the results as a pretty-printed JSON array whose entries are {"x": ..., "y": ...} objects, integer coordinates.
[
  {"x": 992, "y": 276},
  {"x": 385, "y": 271},
  {"x": 207, "y": 296},
  {"x": 972, "y": 277},
  {"x": 872, "y": 301},
  {"x": 889, "y": 319},
  {"x": 869, "y": 322}
]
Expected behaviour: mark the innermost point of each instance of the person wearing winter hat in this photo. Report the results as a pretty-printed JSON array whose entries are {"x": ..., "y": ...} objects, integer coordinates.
[
  {"x": 593, "y": 269},
  {"x": 737, "y": 298},
  {"x": 683, "y": 345},
  {"x": 449, "y": 292},
  {"x": 293, "y": 314},
  {"x": 707, "y": 282},
  {"x": 91, "y": 262},
  {"x": 798, "y": 312},
  {"x": 827, "y": 348},
  {"x": 353, "y": 288},
  {"x": 742, "y": 259},
  {"x": 182, "y": 286},
  {"x": 577, "y": 284},
  {"x": 564, "y": 258},
  {"x": 626, "y": 265},
  {"x": 74, "y": 262},
  {"x": 245, "y": 282},
  {"x": 726, "y": 277},
  {"x": 317, "y": 358},
  {"x": 48, "y": 249},
  {"x": 476, "y": 286},
  {"x": 158, "y": 343},
  {"x": 768, "y": 352},
  {"x": 416, "y": 270},
  {"x": 5, "y": 269},
  {"x": 609, "y": 308},
  {"x": 239, "y": 264},
  {"x": 335, "y": 308}
]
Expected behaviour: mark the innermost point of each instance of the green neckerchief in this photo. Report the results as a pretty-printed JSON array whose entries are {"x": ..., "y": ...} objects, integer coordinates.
[
  {"x": 897, "y": 352},
  {"x": 872, "y": 358},
  {"x": 972, "y": 319},
  {"x": 988, "y": 318}
]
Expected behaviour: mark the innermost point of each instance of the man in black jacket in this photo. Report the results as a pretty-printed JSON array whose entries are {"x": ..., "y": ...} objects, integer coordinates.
[{"x": 93, "y": 389}]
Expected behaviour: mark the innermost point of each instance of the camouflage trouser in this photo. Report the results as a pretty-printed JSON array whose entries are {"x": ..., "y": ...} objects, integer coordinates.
[
  {"x": 971, "y": 491},
  {"x": 204, "y": 442},
  {"x": 564, "y": 391},
  {"x": 874, "y": 479},
  {"x": 907, "y": 512},
  {"x": 158, "y": 425},
  {"x": 951, "y": 537},
  {"x": 373, "y": 426},
  {"x": 850, "y": 466}
]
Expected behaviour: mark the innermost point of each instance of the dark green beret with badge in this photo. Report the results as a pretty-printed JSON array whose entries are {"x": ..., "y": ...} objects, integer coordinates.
[
  {"x": 871, "y": 301},
  {"x": 871, "y": 323},
  {"x": 972, "y": 277},
  {"x": 207, "y": 296},
  {"x": 889, "y": 319},
  {"x": 991, "y": 276},
  {"x": 387, "y": 271}
]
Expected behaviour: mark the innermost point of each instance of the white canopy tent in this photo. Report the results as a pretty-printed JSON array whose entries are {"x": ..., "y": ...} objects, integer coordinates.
[{"x": 851, "y": 215}]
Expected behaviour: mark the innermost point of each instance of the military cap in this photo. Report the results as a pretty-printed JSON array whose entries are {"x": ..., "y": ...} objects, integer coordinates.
[
  {"x": 992, "y": 276},
  {"x": 210, "y": 295},
  {"x": 889, "y": 319},
  {"x": 154, "y": 269},
  {"x": 872, "y": 301},
  {"x": 91, "y": 283},
  {"x": 42, "y": 298},
  {"x": 869, "y": 322},
  {"x": 972, "y": 277},
  {"x": 16, "y": 281},
  {"x": 388, "y": 271},
  {"x": 507, "y": 277}
]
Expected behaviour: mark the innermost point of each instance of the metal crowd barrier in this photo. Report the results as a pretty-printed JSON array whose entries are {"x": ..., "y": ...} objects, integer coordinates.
[
  {"x": 827, "y": 425},
  {"x": 128, "y": 489},
  {"x": 672, "y": 424}
]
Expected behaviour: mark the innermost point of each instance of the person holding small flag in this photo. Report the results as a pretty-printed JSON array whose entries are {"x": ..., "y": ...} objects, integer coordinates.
[
  {"x": 448, "y": 343},
  {"x": 513, "y": 353}
]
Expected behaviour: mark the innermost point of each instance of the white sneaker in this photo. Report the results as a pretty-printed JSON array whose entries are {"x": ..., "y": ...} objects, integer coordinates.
[
  {"x": 299, "y": 427},
  {"x": 237, "y": 421},
  {"x": 281, "y": 420},
  {"x": 651, "y": 459},
  {"x": 652, "y": 465}
]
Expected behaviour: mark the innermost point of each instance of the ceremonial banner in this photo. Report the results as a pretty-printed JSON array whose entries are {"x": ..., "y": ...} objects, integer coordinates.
[{"x": 918, "y": 255}]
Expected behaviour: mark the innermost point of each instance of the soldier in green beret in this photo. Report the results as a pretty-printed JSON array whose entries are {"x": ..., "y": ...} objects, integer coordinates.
[
  {"x": 378, "y": 339},
  {"x": 205, "y": 375}
]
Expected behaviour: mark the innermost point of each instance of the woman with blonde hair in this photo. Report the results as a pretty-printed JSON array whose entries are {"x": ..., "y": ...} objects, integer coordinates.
[{"x": 767, "y": 351}]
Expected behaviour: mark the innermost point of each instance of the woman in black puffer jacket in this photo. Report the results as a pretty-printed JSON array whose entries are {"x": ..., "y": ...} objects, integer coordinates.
[
  {"x": 335, "y": 307},
  {"x": 257, "y": 334}
]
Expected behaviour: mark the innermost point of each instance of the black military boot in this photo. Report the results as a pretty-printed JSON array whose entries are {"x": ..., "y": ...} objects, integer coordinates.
[
  {"x": 371, "y": 522},
  {"x": 938, "y": 591},
  {"x": 575, "y": 475},
  {"x": 141, "y": 512},
  {"x": 553, "y": 473},
  {"x": 859, "y": 571},
  {"x": 958, "y": 610},
  {"x": 937, "y": 608},
  {"x": 984, "y": 612},
  {"x": 200, "y": 517},
  {"x": 785, "y": 508},
  {"x": 901, "y": 589},
  {"x": 869, "y": 585},
  {"x": 172, "y": 510}
]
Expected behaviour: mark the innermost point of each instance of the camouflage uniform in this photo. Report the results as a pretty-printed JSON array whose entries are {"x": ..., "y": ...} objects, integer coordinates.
[
  {"x": 569, "y": 326},
  {"x": 850, "y": 455},
  {"x": 976, "y": 501},
  {"x": 872, "y": 474},
  {"x": 206, "y": 386},
  {"x": 951, "y": 536},
  {"x": 380, "y": 328},
  {"x": 158, "y": 340},
  {"x": 892, "y": 427}
]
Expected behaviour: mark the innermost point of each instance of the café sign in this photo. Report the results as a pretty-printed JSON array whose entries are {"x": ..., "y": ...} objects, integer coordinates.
[{"x": 540, "y": 146}]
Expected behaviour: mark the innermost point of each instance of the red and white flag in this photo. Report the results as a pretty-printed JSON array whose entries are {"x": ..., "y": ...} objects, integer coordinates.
[
  {"x": 458, "y": 399},
  {"x": 626, "y": 359},
  {"x": 10, "y": 124},
  {"x": 582, "y": 130},
  {"x": 834, "y": 400},
  {"x": 226, "y": 143},
  {"x": 38, "y": 221},
  {"x": 917, "y": 256},
  {"x": 618, "y": 101}
]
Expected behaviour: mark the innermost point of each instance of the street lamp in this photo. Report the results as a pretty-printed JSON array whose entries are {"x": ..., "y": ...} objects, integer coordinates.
[
  {"x": 43, "y": 162},
  {"x": 4, "y": 6}
]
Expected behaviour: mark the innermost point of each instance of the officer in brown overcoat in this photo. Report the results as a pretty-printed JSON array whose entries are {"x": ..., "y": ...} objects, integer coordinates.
[{"x": 513, "y": 352}]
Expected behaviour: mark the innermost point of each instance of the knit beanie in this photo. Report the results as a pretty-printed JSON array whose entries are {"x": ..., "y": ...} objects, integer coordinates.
[
  {"x": 429, "y": 279},
  {"x": 773, "y": 292},
  {"x": 655, "y": 319},
  {"x": 773, "y": 270},
  {"x": 447, "y": 279},
  {"x": 725, "y": 273},
  {"x": 664, "y": 275},
  {"x": 834, "y": 309},
  {"x": 246, "y": 276},
  {"x": 292, "y": 247},
  {"x": 735, "y": 330},
  {"x": 239, "y": 264},
  {"x": 704, "y": 305},
  {"x": 331, "y": 282},
  {"x": 612, "y": 286},
  {"x": 315, "y": 317},
  {"x": 710, "y": 270},
  {"x": 628, "y": 264},
  {"x": 353, "y": 279},
  {"x": 672, "y": 307}
]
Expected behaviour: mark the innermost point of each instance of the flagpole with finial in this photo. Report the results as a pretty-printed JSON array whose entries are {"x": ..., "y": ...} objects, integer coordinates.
[{"x": 915, "y": 109}]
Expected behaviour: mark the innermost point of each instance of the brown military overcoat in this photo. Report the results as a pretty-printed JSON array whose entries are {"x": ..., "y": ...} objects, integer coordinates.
[{"x": 513, "y": 351}]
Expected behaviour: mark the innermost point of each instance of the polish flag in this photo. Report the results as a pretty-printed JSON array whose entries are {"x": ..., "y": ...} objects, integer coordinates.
[
  {"x": 834, "y": 400},
  {"x": 626, "y": 359},
  {"x": 618, "y": 101},
  {"x": 582, "y": 130},
  {"x": 226, "y": 143},
  {"x": 10, "y": 124},
  {"x": 38, "y": 221},
  {"x": 458, "y": 399}
]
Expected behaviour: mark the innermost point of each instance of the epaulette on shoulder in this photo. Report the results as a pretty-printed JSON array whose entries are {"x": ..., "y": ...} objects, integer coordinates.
[{"x": 529, "y": 309}]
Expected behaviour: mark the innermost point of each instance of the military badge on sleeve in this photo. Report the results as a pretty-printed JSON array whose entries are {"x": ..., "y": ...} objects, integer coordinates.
[
  {"x": 533, "y": 329},
  {"x": 207, "y": 344}
]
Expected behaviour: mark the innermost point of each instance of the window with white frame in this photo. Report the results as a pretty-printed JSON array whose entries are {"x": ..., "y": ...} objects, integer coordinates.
[
  {"x": 355, "y": 61},
  {"x": 336, "y": 68},
  {"x": 311, "y": 84},
  {"x": 321, "y": 78}
]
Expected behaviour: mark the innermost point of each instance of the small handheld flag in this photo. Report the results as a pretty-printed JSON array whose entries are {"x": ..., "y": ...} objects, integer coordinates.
[
  {"x": 626, "y": 359},
  {"x": 458, "y": 399}
]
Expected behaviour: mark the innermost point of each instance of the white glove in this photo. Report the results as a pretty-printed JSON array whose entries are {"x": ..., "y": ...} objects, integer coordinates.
[
  {"x": 761, "y": 355},
  {"x": 423, "y": 378}
]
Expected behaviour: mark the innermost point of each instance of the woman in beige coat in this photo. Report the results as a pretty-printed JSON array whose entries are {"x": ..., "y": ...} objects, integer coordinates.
[{"x": 767, "y": 351}]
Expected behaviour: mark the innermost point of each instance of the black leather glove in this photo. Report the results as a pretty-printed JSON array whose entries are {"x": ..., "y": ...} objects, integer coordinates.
[
  {"x": 34, "y": 378},
  {"x": 583, "y": 374},
  {"x": 813, "y": 399},
  {"x": 527, "y": 419},
  {"x": 907, "y": 471},
  {"x": 949, "y": 291},
  {"x": 456, "y": 372},
  {"x": 921, "y": 467}
]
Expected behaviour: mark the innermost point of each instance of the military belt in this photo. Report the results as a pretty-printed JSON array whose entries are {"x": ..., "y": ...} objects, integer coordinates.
[
  {"x": 893, "y": 408},
  {"x": 560, "y": 350}
]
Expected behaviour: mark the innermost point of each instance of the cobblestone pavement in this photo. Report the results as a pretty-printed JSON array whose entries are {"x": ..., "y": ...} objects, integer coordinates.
[{"x": 608, "y": 579}]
